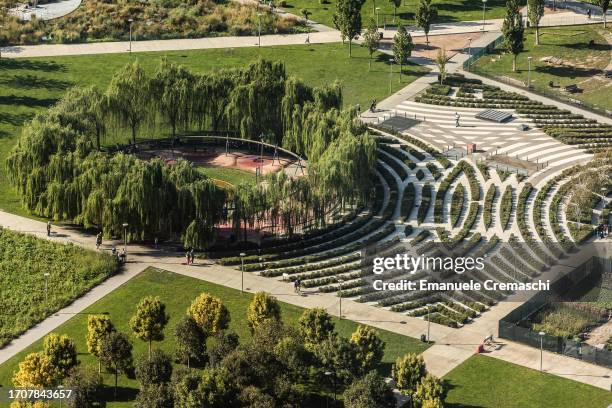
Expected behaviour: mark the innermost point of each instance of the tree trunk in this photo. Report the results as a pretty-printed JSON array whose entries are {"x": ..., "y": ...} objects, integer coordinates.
[
  {"x": 604, "y": 18},
  {"x": 98, "y": 139},
  {"x": 99, "y": 367},
  {"x": 427, "y": 37},
  {"x": 116, "y": 374},
  {"x": 149, "y": 349},
  {"x": 537, "y": 34},
  {"x": 134, "y": 134},
  {"x": 188, "y": 360},
  {"x": 400, "y": 72},
  {"x": 350, "y": 43},
  {"x": 370, "y": 64},
  {"x": 513, "y": 62}
]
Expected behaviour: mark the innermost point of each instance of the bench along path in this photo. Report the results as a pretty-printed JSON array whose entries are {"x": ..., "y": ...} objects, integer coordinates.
[{"x": 452, "y": 346}]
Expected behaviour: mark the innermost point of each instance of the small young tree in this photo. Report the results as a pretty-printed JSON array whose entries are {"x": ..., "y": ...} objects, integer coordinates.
[
  {"x": 535, "y": 10},
  {"x": 86, "y": 384},
  {"x": 223, "y": 345},
  {"x": 155, "y": 396},
  {"x": 153, "y": 369},
  {"x": 338, "y": 356},
  {"x": 408, "y": 371},
  {"x": 116, "y": 352},
  {"x": 371, "y": 391},
  {"x": 263, "y": 307},
  {"x": 98, "y": 326},
  {"x": 441, "y": 61},
  {"x": 316, "y": 325},
  {"x": 371, "y": 40},
  {"x": 424, "y": 15},
  {"x": 369, "y": 348},
  {"x": 62, "y": 352},
  {"x": 190, "y": 341},
  {"x": 305, "y": 13},
  {"x": 149, "y": 320},
  {"x": 402, "y": 47},
  {"x": 430, "y": 388},
  {"x": 605, "y": 5},
  {"x": 35, "y": 371},
  {"x": 347, "y": 19},
  {"x": 209, "y": 313},
  {"x": 513, "y": 30}
]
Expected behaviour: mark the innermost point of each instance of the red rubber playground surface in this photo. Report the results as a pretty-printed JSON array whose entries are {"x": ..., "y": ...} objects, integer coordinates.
[{"x": 216, "y": 157}]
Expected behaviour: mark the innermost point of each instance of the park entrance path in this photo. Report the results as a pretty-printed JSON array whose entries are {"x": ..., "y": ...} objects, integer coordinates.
[{"x": 451, "y": 347}]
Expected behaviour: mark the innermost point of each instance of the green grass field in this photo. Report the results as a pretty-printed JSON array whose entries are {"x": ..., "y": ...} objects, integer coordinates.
[
  {"x": 232, "y": 176},
  {"x": 177, "y": 292},
  {"x": 582, "y": 64},
  {"x": 28, "y": 86},
  {"x": 448, "y": 11},
  {"x": 490, "y": 383}
]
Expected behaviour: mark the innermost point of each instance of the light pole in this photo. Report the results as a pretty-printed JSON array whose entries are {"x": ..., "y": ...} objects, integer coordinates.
[
  {"x": 428, "y": 321},
  {"x": 390, "y": 75},
  {"x": 484, "y": 7},
  {"x": 259, "y": 30},
  {"x": 377, "y": 13},
  {"x": 541, "y": 347},
  {"x": 340, "y": 280},
  {"x": 125, "y": 225},
  {"x": 131, "y": 20},
  {"x": 529, "y": 72},
  {"x": 46, "y": 275},
  {"x": 469, "y": 52},
  {"x": 242, "y": 255}
]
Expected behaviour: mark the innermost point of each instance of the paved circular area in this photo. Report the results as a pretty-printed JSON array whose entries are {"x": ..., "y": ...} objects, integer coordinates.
[{"x": 46, "y": 11}]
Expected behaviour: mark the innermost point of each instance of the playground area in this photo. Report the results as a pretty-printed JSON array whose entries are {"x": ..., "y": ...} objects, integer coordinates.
[{"x": 259, "y": 163}]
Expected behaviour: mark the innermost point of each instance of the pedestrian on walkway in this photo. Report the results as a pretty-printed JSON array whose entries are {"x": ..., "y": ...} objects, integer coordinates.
[
  {"x": 98, "y": 240},
  {"x": 48, "y": 228},
  {"x": 191, "y": 255},
  {"x": 123, "y": 256},
  {"x": 457, "y": 119},
  {"x": 295, "y": 286},
  {"x": 187, "y": 256},
  {"x": 299, "y": 286},
  {"x": 589, "y": 14},
  {"x": 307, "y": 42},
  {"x": 114, "y": 253}
]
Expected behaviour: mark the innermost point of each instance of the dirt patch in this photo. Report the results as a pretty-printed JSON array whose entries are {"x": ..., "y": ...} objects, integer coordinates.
[
  {"x": 600, "y": 335},
  {"x": 452, "y": 43}
]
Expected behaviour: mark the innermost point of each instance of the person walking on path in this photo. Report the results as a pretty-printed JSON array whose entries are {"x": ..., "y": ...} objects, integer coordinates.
[
  {"x": 188, "y": 256},
  {"x": 457, "y": 119},
  {"x": 98, "y": 240},
  {"x": 191, "y": 255},
  {"x": 296, "y": 284},
  {"x": 48, "y": 228}
]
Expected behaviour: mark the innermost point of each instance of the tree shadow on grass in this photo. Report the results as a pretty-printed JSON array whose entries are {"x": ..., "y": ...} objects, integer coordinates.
[
  {"x": 124, "y": 394},
  {"x": 15, "y": 119},
  {"x": 26, "y": 101},
  {"x": 586, "y": 46},
  {"x": 567, "y": 72},
  {"x": 33, "y": 65},
  {"x": 27, "y": 81}
]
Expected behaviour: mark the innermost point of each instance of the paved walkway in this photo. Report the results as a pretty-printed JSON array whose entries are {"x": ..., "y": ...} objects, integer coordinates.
[
  {"x": 47, "y": 11},
  {"x": 452, "y": 346}
]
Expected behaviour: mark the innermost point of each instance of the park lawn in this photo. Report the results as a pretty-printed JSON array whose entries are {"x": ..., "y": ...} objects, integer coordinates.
[
  {"x": 487, "y": 382},
  {"x": 28, "y": 86},
  {"x": 448, "y": 11},
  {"x": 232, "y": 176},
  {"x": 568, "y": 43},
  {"x": 177, "y": 292}
]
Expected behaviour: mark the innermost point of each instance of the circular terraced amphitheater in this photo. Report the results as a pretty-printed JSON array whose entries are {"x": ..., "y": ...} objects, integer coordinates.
[{"x": 524, "y": 200}]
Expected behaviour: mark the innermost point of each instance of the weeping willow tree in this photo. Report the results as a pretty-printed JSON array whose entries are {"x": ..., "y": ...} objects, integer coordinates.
[{"x": 59, "y": 171}]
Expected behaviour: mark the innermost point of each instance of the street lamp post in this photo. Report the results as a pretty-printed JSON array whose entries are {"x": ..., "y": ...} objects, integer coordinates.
[
  {"x": 131, "y": 20},
  {"x": 259, "y": 30},
  {"x": 242, "y": 255},
  {"x": 340, "y": 280},
  {"x": 529, "y": 72},
  {"x": 428, "y": 321},
  {"x": 541, "y": 347},
  {"x": 46, "y": 275},
  {"x": 125, "y": 225},
  {"x": 377, "y": 13},
  {"x": 469, "y": 52},
  {"x": 390, "y": 74},
  {"x": 484, "y": 7}
]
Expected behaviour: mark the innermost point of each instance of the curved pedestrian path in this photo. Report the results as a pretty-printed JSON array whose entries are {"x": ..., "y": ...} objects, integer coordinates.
[{"x": 48, "y": 11}]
